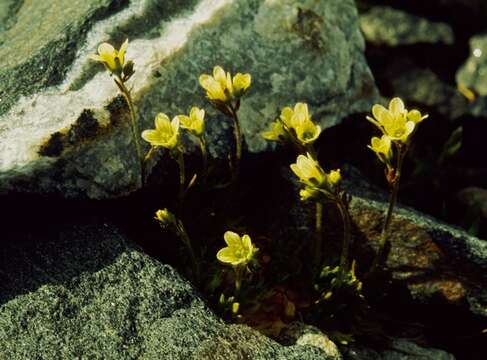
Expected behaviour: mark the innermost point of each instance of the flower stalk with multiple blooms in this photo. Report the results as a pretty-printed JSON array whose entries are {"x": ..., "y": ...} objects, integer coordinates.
[
  {"x": 225, "y": 92},
  {"x": 122, "y": 70},
  {"x": 397, "y": 126},
  {"x": 322, "y": 186},
  {"x": 296, "y": 126},
  {"x": 167, "y": 134}
]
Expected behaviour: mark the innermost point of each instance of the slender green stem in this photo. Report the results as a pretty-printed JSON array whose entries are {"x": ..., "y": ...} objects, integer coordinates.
[
  {"x": 347, "y": 235},
  {"x": 384, "y": 242},
  {"x": 183, "y": 235},
  {"x": 238, "y": 145},
  {"x": 182, "y": 179},
  {"x": 204, "y": 156},
  {"x": 134, "y": 126},
  {"x": 238, "y": 280},
  {"x": 318, "y": 235}
]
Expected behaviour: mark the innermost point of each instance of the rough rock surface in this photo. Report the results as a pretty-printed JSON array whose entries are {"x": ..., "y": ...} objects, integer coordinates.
[
  {"x": 63, "y": 127},
  {"x": 435, "y": 261},
  {"x": 83, "y": 291},
  {"x": 302, "y": 334},
  {"x": 400, "y": 349},
  {"x": 422, "y": 86},
  {"x": 383, "y": 25},
  {"x": 473, "y": 201},
  {"x": 473, "y": 74}
]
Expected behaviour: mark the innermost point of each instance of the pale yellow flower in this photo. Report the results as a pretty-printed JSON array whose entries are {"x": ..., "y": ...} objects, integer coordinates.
[
  {"x": 396, "y": 122},
  {"x": 215, "y": 85},
  {"x": 165, "y": 134},
  {"x": 309, "y": 171},
  {"x": 240, "y": 84},
  {"x": 113, "y": 60},
  {"x": 276, "y": 133},
  {"x": 299, "y": 122},
  {"x": 317, "y": 182},
  {"x": 165, "y": 217},
  {"x": 382, "y": 148},
  {"x": 239, "y": 250},
  {"x": 335, "y": 177},
  {"x": 195, "y": 122},
  {"x": 308, "y": 193},
  {"x": 221, "y": 87}
]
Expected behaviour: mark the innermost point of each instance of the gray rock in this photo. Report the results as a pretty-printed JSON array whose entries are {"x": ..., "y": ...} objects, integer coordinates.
[
  {"x": 65, "y": 130},
  {"x": 400, "y": 349},
  {"x": 475, "y": 197},
  {"x": 383, "y": 25},
  {"x": 302, "y": 334},
  {"x": 478, "y": 108},
  {"x": 473, "y": 73},
  {"x": 422, "y": 86},
  {"x": 473, "y": 206},
  {"x": 85, "y": 292},
  {"x": 435, "y": 261},
  {"x": 405, "y": 350},
  {"x": 7, "y": 13}
]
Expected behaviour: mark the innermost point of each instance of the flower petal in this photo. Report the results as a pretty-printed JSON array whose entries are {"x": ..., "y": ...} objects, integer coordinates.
[
  {"x": 232, "y": 239},
  {"x": 373, "y": 121},
  {"x": 197, "y": 113},
  {"x": 162, "y": 121},
  {"x": 415, "y": 115},
  {"x": 227, "y": 256},
  {"x": 247, "y": 243},
  {"x": 152, "y": 136},
  {"x": 378, "y": 111},
  {"x": 95, "y": 57},
  {"x": 106, "y": 48},
  {"x": 286, "y": 115},
  {"x": 375, "y": 142},
  {"x": 410, "y": 125},
  {"x": 296, "y": 170},
  {"x": 241, "y": 82},
  {"x": 185, "y": 121},
  {"x": 301, "y": 112},
  {"x": 175, "y": 124},
  {"x": 204, "y": 79},
  {"x": 121, "y": 52},
  {"x": 220, "y": 76},
  {"x": 396, "y": 106}
]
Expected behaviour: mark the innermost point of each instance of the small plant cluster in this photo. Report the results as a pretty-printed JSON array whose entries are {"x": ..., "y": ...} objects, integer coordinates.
[{"x": 250, "y": 298}]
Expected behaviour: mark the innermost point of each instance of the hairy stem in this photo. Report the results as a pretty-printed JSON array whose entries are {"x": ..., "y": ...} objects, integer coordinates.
[
  {"x": 182, "y": 179},
  {"x": 238, "y": 280},
  {"x": 134, "y": 126},
  {"x": 384, "y": 242},
  {"x": 204, "y": 157},
  {"x": 317, "y": 245},
  {"x": 347, "y": 235},
  {"x": 183, "y": 235},
  {"x": 238, "y": 145}
]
